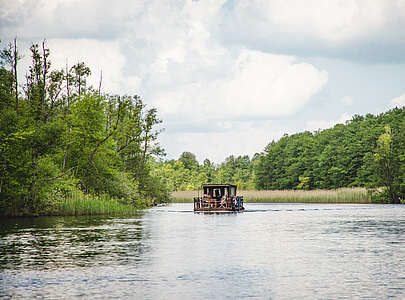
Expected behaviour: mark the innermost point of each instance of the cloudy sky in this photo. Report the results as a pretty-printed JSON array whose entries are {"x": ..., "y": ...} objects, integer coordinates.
[{"x": 228, "y": 76}]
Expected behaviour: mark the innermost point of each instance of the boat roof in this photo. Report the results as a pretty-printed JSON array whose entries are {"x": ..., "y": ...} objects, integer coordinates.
[{"x": 219, "y": 185}]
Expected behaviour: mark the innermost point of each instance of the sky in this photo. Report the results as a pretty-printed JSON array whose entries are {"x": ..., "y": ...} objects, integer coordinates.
[{"x": 227, "y": 76}]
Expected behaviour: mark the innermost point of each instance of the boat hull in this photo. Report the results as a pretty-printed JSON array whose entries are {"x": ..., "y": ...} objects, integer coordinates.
[{"x": 208, "y": 209}]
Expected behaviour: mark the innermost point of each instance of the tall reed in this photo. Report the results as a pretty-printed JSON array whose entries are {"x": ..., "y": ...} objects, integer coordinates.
[
  {"x": 342, "y": 195},
  {"x": 77, "y": 204}
]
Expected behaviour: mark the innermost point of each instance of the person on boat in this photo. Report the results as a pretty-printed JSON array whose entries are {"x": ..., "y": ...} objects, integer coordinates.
[{"x": 223, "y": 201}]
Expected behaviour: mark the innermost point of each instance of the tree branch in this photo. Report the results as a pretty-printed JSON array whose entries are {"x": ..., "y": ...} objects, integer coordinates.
[{"x": 56, "y": 177}]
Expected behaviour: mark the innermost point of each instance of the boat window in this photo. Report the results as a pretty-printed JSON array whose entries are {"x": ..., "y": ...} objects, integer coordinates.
[
  {"x": 233, "y": 191},
  {"x": 217, "y": 193}
]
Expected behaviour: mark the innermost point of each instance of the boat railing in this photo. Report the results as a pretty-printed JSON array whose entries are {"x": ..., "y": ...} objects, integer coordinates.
[{"x": 235, "y": 202}]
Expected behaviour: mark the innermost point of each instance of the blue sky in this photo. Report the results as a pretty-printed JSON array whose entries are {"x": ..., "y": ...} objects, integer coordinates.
[{"x": 228, "y": 76}]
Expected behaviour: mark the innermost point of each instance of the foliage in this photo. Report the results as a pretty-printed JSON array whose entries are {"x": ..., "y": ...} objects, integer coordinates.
[
  {"x": 368, "y": 151},
  {"x": 387, "y": 165},
  {"x": 187, "y": 174},
  {"x": 60, "y": 137},
  {"x": 365, "y": 152}
]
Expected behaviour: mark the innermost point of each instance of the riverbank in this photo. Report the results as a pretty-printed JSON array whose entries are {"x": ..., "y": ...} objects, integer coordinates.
[
  {"x": 342, "y": 195},
  {"x": 79, "y": 204}
]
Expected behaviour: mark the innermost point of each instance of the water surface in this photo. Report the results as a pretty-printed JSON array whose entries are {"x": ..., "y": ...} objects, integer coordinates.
[{"x": 270, "y": 251}]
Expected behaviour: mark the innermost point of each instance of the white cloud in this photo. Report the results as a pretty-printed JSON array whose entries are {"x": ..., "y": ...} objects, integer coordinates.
[
  {"x": 360, "y": 29},
  {"x": 398, "y": 101},
  {"x": 100, "y": 56},
  {"x": 195, "y": 61},
  {"x": 65, "y": 18},
  {"x": 325, "y": 124},
  {"x": 347, "y": 101},
  {"x": 334, "y": 20},
  {"x": 270, "y": 85},
  {"x": 259, "y": 85}
]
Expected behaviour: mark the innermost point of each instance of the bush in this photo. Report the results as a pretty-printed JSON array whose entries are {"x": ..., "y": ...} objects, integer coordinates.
[{"x": 379, "y": 196}]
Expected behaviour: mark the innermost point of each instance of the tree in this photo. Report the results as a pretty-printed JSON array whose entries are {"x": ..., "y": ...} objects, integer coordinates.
[
  {"x": 388, "y": 165},
  {"x": 189, "y": 160},
  {"x": 342, "y": 156},
  {"x": 10, "y": 56},
  {"x": 60, "y": 136}
]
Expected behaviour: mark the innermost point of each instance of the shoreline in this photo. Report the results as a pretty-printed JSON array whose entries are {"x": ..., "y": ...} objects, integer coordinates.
[{"x": 342, "y": 195}]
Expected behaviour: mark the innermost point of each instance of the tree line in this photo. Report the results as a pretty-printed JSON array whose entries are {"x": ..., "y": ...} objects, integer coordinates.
[
  {"x": 367, "y": 151},
  {"x": 59, "y": 135},
  {"x": 186, "y": 173}
]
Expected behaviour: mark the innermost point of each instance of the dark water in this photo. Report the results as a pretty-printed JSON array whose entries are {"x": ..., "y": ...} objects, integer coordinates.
[{"x": 271, "y": 251}]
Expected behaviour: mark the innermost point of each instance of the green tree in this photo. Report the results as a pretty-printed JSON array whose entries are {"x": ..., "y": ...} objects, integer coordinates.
[
  {"x": 60, "y": 136},
  {"x": 342, "y": 156},
  {"x": 189, "y": 160},
  {"x": 388, "y": 165}
]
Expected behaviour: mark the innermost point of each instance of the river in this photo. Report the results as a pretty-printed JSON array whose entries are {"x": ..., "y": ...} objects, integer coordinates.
[{"x": 270, "y": 251}]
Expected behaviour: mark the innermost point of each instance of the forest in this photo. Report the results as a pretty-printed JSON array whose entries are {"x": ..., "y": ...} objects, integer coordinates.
[
  {"x": 368, "y": 151},
  {"x": 62, "y": 139}
]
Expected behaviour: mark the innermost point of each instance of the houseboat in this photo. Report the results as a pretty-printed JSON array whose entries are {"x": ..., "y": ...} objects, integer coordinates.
[{"x": 218, "y": 197}]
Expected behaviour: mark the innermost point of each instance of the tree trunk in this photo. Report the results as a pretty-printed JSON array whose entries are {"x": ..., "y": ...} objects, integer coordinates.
[
  {"x": 68, "y": 112},
  {"x": 15, "y": 54},
  {"x": 65, "y": 157},
  {"x": 99, "y": 85}
]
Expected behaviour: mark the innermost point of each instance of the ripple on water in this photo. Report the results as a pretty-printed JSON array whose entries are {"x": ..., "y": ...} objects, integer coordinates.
[{"x": 269, "y": 251}]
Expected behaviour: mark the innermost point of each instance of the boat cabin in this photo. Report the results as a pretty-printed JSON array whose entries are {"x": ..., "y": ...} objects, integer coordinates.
[{"x": 218, "y": 197}]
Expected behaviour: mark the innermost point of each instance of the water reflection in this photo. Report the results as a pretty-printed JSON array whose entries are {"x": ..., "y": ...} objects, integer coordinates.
[
  {"x": 55, "y": 242},
  {"x": 272, "y": 251}
]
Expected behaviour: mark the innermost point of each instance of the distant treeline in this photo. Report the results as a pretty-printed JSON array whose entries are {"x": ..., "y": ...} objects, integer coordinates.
[
  {"x": 186, "y": 174},
  {"x": 59, "y": 137},
  {"x": 367, "y": 151}
]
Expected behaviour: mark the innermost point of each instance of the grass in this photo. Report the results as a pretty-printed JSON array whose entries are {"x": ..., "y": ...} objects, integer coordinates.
[
  {"x": 78, "y": 204},
  {"x": 342, "y": 195},
  {"x": 75, "y": 204}
]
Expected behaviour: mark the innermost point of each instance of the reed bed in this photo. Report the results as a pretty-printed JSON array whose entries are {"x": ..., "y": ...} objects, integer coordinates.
[
  {"x": 78, "y": 204},
  {"x": 342, "y": 195}
]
